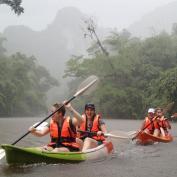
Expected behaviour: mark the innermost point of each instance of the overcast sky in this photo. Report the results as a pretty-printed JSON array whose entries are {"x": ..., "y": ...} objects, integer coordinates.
[{"x": 109, "y": 13}]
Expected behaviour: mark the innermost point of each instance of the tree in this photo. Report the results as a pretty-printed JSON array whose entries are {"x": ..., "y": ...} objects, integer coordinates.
[
  {"x": 23, "y": 86},
  {"x": 138, "y": 65},
  {"x": 14, "y": 4}
]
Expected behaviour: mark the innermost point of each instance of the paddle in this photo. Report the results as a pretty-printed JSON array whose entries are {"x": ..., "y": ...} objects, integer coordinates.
[
  {"x": 143, "y": 129},
  {"x": 40, "y": 127},
  {"x": 85, "y": 85},
  {"x": 128, "y": 134},
  {"x": 105, "y": 134}
]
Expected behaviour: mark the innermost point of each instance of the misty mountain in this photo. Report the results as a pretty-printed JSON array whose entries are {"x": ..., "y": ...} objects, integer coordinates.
[
  {"x": 64, "y": 36},
  {"x": 160, "y": 19},
  {"x": 52, "y": 46}
]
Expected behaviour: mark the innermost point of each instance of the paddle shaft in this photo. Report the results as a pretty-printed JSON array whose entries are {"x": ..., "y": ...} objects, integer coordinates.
[
  {"x": 44, "y": 120},
  {"x": 143, "y": 129},
  {"x": 88, "y": 132},
  {"x": 79, "y": 92},
  {"x": 105, "y": 134}
]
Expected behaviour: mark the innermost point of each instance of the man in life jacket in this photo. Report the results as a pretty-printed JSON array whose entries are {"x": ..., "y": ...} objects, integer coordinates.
[
  {"x": 148, "y": 125},
  {"x": 161, "y": 123},
  {"x": 62, "y": 130},
  {"x": 93, "y": 126}
]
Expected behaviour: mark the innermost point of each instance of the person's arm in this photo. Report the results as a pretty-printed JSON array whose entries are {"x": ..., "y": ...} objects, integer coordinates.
[
  {"x": 102, "y": 127},
  {"x": 39, "y": 133},
  {"x": 77, "y": 117},
  {"x": 167, "y": 123}
]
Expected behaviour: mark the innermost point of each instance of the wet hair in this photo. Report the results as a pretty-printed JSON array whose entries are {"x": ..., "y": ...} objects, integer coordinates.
[
  {"x": 158, "y": 109},
  {"x": 59, "y": 105},
  {"x": 89, "y": 105}
]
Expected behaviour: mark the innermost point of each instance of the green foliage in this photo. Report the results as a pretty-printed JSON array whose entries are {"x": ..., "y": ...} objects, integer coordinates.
[
  {"x": 145, "y": 73},
  {"x": 23, "y": 85},
  {"x": 164, "y": 88}
]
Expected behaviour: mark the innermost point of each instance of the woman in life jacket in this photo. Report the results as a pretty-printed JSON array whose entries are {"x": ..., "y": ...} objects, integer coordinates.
[
  {"x": 161, "y": 123},
  {"x": 91, "y": 122},
  {"x": 148, "y": 125},
  {"x": 62, "y": 130}
]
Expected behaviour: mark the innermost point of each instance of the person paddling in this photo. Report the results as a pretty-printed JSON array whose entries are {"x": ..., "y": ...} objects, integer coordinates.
[
  {"x": 62, "y": 130},
  {"x": 161, "y": 123},
  {"x": 148, "y": 125},
  {"x": 91, "y": 122}
]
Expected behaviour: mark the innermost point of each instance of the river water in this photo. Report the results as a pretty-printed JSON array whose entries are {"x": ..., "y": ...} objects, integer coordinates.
[{"x": 129, "y": 159}]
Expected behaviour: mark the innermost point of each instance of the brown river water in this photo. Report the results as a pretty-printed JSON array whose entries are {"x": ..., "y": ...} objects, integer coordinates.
[{"x": 129, "y": 159}]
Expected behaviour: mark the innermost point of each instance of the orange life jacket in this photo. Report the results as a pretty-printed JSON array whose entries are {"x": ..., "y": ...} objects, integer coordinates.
[
  {"x": 149, "y": 124},
  {"x": 160, "y": 122},
  {"x": 164, "y": 123},
  {"x": 95, "y": 127},
  {"x": 157, "y": 123},
  {"x": 66, "y": 135}
]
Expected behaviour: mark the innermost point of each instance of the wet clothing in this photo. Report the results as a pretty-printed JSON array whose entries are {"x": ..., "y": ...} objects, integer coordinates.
[
  {"x": 63, "y": 135},
  {"x": 149, "y": 124},
  {"x": 162, "y": 122},
  {"x": 92, "y": 126}
]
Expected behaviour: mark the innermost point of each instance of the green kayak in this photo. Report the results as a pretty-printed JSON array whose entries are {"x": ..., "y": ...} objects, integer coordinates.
[{"x": 31, "y": 155}]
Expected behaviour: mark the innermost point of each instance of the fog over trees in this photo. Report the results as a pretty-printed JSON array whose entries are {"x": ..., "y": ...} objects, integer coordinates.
[{"x": 144, "y": 64}]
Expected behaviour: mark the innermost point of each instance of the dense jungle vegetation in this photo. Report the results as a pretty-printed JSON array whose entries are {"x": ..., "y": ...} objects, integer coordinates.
[
  {"x": 23, "y": 85},
  {"x": 137, "y": 74}
]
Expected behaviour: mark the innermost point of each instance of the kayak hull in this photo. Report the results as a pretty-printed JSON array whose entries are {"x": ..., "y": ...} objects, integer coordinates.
[
  {"x": 146, "y": 138},
  {"x": 33, "y": 155}
]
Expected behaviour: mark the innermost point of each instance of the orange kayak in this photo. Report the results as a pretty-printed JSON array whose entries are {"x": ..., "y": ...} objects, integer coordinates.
[{"x": 145, "y": 138}]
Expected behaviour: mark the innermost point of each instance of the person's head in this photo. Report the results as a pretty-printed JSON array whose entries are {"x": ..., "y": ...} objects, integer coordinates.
[
  {"x": 60, "y": 113},
  {"x": 159, "y": 112},
  {"x": 151, "y": 112},
  {"x": 90, "y": 110}
]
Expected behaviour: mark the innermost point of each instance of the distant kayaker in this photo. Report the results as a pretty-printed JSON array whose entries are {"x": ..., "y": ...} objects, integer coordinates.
[
  {"x": 91, "y": 122},
  {"x": 148, "y": 125},
  {"x": 161, "y": 123},
  {"x": 62, "y": 130}
]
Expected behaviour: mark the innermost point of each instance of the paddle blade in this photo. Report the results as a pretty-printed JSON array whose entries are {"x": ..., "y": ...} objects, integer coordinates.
[
  {"x": 131, "y": 133},
  {"x": 116, "y": 136},
  {"x": 119, "y": 137},
  {"x": 120, "y": 133},
  {"x": 87, "y": 86},
  {"x": 2, "y": 153}
]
